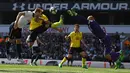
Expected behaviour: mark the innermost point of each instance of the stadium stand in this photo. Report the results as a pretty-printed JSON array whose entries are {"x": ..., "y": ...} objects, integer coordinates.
[{"x": 55, "y": 47}]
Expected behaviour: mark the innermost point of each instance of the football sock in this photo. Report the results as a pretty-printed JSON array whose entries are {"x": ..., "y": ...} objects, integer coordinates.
[
  {"x": 19, "y": 50},
  {"x": 37, "y": 57},
  {"x": 83, "y": 61},
  {"x": 8, "y": 44},
  {"x": 33, "y": 57},
  {"x": 118, "y": 62},
  {"x": 64, "y": 60},
  {"x": 56, "y": 24}
]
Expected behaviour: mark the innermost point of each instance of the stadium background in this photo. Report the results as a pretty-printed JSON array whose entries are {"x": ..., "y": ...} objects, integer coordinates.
[{"x": 55, "y": 46}]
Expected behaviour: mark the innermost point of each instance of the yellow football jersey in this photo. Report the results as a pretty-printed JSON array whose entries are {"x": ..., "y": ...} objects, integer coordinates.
[
  {"x": 34, "y": 24},
  {"x": 75, "y": 39}
]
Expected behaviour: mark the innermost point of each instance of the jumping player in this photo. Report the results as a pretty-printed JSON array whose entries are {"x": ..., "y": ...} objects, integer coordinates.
[
  {"x": 15, "y": 29},
  {"x": 76, "y": 38},
  {"x": 96, "y": 30},
  {"x": 38, "y": 25}
]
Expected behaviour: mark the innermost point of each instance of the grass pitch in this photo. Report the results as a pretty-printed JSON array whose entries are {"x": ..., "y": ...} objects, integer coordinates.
[{"x": 56, "y": 69}]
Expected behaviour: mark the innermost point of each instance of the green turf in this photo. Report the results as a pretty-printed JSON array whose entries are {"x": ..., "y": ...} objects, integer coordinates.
[{"x": 55, "y": 69}]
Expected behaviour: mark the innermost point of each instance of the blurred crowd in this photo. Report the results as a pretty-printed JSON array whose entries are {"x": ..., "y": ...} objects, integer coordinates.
[{"x": 56, "y": 47}]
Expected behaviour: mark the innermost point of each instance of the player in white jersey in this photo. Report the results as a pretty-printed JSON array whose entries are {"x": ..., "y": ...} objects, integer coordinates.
[
  {"x": 15, "y": 29},
  {"x": 23, "y": 18},
  {"x": 36, "y": 53}
]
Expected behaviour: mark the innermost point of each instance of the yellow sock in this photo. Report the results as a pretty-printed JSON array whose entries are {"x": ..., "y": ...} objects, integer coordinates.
[
  {"x": 64, "y": 60},
  {"x": 83, "y": 61},
  {"x": 56, "y": 24}
]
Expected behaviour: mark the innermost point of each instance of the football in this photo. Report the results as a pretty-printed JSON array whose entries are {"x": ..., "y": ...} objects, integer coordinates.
[{"x": 53, "y": 10}]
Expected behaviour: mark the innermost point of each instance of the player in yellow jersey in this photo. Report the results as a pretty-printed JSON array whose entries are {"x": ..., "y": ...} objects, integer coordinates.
[
  {"x": 39, "y": 25},
  {"x": 76, "y": 38}
]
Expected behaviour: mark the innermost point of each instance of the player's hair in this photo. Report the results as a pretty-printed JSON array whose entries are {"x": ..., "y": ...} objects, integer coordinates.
[
  {"x": 38, "y": 10},
  {"x": 77, "y": 25}
]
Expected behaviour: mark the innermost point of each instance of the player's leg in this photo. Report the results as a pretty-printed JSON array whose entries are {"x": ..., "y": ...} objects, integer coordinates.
[
  {"x": 118, "y": 64},
  {"x": 113, "y": 63},
  {"x": 71, "y": 61},
  {"x": 34, "y": 54},
  {"x": 119, "y": 60},
  {"x": 107, "y": 44},
  {"x": 110, "y": 63},
  {"x": 34, "y": 34},
  {"x": 75, "y": 17},
  {"x": 114, "y": 56},
  {"x": 57, "y": 24},
  {"x": 68, "y": 62},
  {"x": 32, "y": 38},
  {"x": 19, "y": 48},
  {"x": 8, "y": 44},
  {"x": 72, "y": 12},
  {"x": 84, "y": 56},
  {"x": 10, "y": 40},
  {"x": 38, "y": 55},
  {"x": 66, "y": 58},
  {"x": 18, "y": 36}
]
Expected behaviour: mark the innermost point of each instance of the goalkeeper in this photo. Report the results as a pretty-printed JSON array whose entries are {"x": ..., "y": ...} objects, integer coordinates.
[{"x": 96, "y": 29}]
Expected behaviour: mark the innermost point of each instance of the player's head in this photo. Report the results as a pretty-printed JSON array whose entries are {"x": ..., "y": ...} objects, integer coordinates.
[
  {"x": 38, "y": 11},
  {"x": 76, "y": 27},
  {"x": 90, "y": 17}
]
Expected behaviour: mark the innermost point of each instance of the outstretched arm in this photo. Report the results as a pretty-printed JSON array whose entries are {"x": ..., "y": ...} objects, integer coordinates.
[{"x": 17, "y": 19}]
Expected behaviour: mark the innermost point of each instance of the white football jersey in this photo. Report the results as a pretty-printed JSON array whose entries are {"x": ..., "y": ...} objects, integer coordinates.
[{"x": 25, "y": 19}]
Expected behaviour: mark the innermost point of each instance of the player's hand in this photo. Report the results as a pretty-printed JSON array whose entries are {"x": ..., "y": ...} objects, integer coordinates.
[
  {"x": 66, "y": 37},
  {"x": 15, "y": 26},
  {"x": 41, "y": 18}
]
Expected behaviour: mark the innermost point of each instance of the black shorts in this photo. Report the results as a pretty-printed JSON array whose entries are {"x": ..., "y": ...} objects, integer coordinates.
[
  {"x": 14, "y": 33},
  {"x": 36, "y": 32},
  {"x": 36, "y": 50},
  {"x": 73, "y": 49}
]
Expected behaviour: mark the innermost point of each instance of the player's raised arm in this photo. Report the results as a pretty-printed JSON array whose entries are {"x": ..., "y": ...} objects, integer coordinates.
[{"x": 17, "y": 19}]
